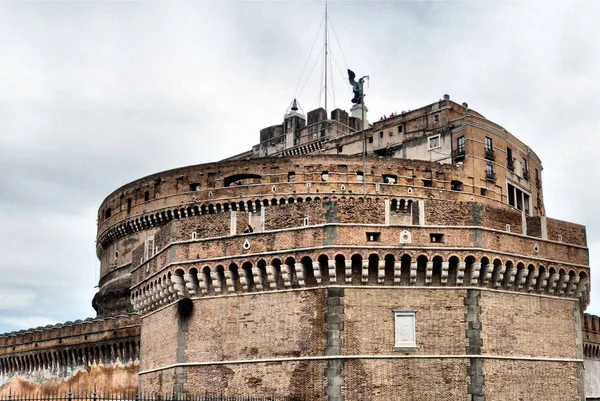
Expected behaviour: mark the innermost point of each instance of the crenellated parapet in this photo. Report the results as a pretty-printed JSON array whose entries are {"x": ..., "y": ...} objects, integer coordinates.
[{"x": 59, "y": 350}]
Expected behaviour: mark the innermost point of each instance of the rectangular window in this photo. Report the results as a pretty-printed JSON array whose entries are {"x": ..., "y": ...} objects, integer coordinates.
[
  {"x": 460, "y": 145},
  {"x": 405, "y": 336},
  {"x": 510, "y": 162},
  {"x": 488, "y": 144},
  {"x": 483, "y": 191},
  {"x": 437, "y": 238},
  {"x": 559, "y": 238},
  {"x": 325, "y": 176},
  {"x": 399, "y": 129},
  {"x": 146, "y": 196},
  {"x": 129, "y": 205},
  {"x": 390, "y": 178},
  {"x": 373, "y": 237},
  {"x": 489, "y": 172},
  {"x": 434, "y": 142},
  {"x": 519, "y": 199},
  {"x": 370, "y": 139},
  {"x": 381, "y": 134},
  {"x": 526, "y": 204},
  {"x": 511, "y": 195},
  {"x": 427, "y": 183},
  {"x": 291, "y": 176},
  {"x": 525, "y": 170},
  {"x": 194, "y": 187},
  {"x": 489, "y": 149},
  {"x": 340, "y": 149},
  {"x": 360, "y": 177},
  {"x": 436, "y": 118}
]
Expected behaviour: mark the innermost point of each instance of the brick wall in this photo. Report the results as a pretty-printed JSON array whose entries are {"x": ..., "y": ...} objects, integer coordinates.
[
  {"x": 159, "y": 338},
  {"x": 531, "y": 381},
  {"x": 571, "y": 233},
  {"x": 414, "y": 380},
  {"x": 514, "y": 324},
  {"x": 440, "y": 320}
]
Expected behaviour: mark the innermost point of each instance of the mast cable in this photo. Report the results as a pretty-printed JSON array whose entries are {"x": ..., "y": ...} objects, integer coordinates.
[
  {"x": 308, "y": 58},
  {"x": 307, "y": 78}
]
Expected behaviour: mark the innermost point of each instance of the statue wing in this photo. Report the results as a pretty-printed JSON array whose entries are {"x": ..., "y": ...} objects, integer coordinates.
[{"x": 351, "y": 76}]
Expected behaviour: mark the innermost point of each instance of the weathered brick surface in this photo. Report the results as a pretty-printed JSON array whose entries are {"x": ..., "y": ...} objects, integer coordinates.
[
  {"x": 233, "y": 328},
  {"x": 303, "y": 380},
  {"x": 440, "y": 320},
  {"x": 520, "y": 325},
  {"x": 507, "y": 380},
  {"x": 401, "y": 379},
  {"x": 571, "y": 233},
  {"x": 159, "y": 338}
]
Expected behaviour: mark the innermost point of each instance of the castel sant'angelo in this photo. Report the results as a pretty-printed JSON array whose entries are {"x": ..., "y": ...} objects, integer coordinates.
[{"x": 422, "y": 269}]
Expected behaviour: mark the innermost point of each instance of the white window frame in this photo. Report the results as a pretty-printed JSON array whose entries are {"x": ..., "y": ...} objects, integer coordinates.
[
  {"x": 431, "y": 139},
  {"x": 405, "y": 339}
]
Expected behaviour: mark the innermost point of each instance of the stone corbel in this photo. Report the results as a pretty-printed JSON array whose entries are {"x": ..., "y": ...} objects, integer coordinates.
[
  {"x": 413, "y": 273},
  {"x": 460, "y": 274},
  {"x": 332, "y": 273},
  {"x": 381, "y": 272},
  {"x": 300, "y": 274},
  {"x": 428, "y": 273},
  {"x": 365, "y": 272},
  {"x": 445, "y": 268}
]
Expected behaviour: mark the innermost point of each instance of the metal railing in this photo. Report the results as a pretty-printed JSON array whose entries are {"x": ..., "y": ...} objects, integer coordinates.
[
  {"x": 490, "y": 154},
  {"x": 459, "y": 154}
]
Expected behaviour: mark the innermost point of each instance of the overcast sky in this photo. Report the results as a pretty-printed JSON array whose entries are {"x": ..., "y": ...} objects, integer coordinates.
[{"x": 94, "y": 95}]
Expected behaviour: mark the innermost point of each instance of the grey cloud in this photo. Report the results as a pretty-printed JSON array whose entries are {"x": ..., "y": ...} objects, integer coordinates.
[{"x": 98, "y": 94}]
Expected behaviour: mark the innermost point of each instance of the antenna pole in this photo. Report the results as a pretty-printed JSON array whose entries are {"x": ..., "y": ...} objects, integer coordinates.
[
  {"x": 364, "y": 158},
  {"x": 326, "y": 116}
]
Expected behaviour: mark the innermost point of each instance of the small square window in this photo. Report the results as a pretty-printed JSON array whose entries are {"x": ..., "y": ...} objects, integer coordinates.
[
  {"x": 373, "y": 237},
  {"x": 340, "y": 149},
  {"x": 427, "y": 183},
  {"x": 405, "y": 336},
  {"x": 434, "y": 142},
  {"x": 194, "y": 187},
  {"x": 560, "y": 238},
  {"x": 291, "y": 176},
  {"x": 483, "y": 191},
  {"x": 360, "y": 177},
  {"x": 437, "y": 238},
  {"x": 325, "y": 176}
]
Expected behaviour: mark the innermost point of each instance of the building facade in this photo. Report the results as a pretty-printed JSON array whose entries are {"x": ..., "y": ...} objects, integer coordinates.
[{"x": 426, "y": 269}]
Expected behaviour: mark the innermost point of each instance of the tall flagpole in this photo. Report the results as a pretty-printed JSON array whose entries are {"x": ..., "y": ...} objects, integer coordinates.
[{"x": 326, "y": 61}]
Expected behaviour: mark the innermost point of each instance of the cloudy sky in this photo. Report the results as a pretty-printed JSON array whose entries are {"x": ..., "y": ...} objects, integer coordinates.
[{"x": 94, "y": 95}]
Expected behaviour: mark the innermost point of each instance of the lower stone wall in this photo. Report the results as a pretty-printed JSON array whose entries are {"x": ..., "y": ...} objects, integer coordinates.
[
  {"x": 510, "y": 380},
  {"x": 302, "y": 380},
  {"x": 118, "y": 379}
]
